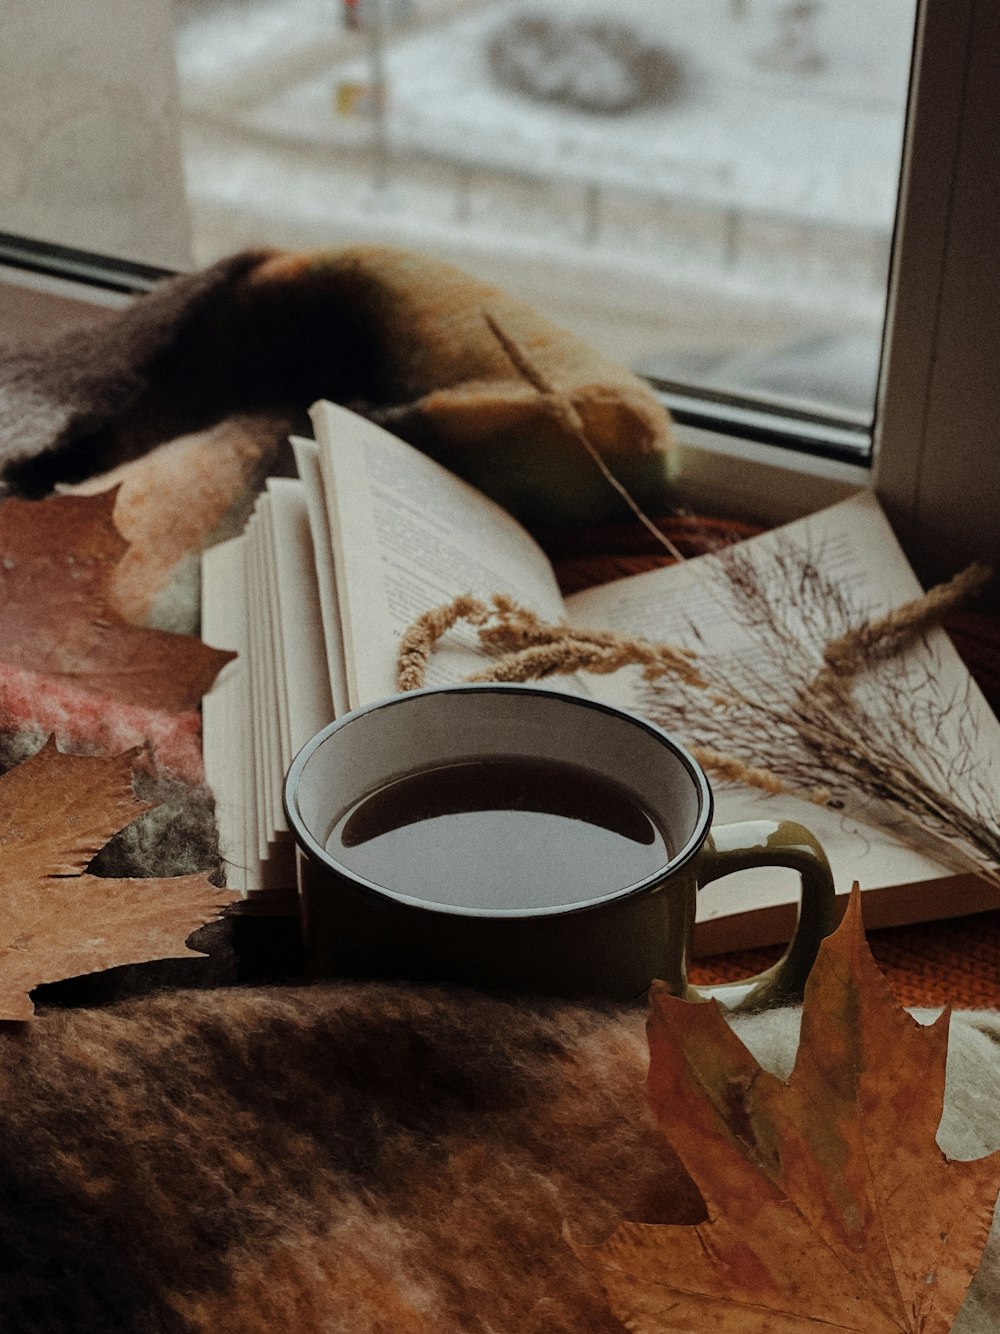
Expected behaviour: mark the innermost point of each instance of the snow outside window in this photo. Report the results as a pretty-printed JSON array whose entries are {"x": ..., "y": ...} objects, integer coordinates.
[
  {"x": 708, "y": 189},
  {"x": 704, "y": 188}
]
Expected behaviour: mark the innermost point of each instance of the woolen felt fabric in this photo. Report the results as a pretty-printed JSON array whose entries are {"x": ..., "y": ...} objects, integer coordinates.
[{"x": 212, "y": 479}]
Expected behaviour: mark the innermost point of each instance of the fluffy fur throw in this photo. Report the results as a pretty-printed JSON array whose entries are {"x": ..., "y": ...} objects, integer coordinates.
[{"x": 356, "y": 1160}]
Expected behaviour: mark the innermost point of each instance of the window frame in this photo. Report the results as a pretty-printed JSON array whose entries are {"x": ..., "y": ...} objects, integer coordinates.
[
  {"x": 935, "y": 458},
  {"x": 937, "y": 443}
]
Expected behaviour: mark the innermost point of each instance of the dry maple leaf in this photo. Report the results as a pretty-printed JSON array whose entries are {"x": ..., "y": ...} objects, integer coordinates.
[
  {"x": 57, "y": 558},
  {"x": 56, "y": 812},
  {"x": 830, "y": 1206}
]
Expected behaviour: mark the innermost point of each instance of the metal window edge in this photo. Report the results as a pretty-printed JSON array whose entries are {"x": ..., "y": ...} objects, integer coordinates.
[{"x": 83, "y": 269}]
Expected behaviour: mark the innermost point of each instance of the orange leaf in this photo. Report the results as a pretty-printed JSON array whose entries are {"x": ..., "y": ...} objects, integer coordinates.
[
  {"x": 56, "y": 812},
  {"x": 830, "y": 1206},
  {"x": 57, "y": 557}
]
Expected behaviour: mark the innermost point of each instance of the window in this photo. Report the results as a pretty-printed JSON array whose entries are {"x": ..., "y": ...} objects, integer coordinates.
[
  {"x": 939, "y": 480},
  {"x": 704, "y": 188}
]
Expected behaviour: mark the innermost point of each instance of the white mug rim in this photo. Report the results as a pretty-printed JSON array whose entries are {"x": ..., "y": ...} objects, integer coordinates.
[{"x": 311, "y": 847}]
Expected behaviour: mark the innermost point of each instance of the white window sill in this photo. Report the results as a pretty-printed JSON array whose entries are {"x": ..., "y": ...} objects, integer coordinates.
[{"x": 760, "y": 483}]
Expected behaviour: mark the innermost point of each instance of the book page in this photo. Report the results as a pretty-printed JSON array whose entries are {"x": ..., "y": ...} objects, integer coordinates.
[
  {"x": 264, "y": 725},
  {"x": 409, "y": 535},
  {"x": 277, "y": 682},
  {"x": 686, "y": 605},
  {"x": 270, "y": 843},
  {"x": 307, "y": 463},
  {"x": 303, "y": 672},
  {"x": 223, "y": 625}
]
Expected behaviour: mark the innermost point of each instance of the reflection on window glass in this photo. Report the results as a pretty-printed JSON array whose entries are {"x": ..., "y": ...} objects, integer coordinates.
[{"x": 705, "y": 188}]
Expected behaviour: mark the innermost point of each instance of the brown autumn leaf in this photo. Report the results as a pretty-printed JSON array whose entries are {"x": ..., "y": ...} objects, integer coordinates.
[
  {"x": 56, "y": 812},
  {"x": 830, "y": 1206},
  {"x": 57, "y": 558}
]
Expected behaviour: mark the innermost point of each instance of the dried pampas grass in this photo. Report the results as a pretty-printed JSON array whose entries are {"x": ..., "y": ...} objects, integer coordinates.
[{"x": 831, "y": 707}]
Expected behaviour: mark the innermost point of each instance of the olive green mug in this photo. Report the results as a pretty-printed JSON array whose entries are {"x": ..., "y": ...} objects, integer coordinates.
[{"x": 596, "y": 928}]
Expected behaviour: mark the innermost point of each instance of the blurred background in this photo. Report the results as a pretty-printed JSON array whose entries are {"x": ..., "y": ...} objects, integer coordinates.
[{"x": 705, "y": 189}]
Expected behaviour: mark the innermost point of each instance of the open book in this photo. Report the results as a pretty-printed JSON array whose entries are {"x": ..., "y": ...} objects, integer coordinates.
[{"x": 333, "y": 567}]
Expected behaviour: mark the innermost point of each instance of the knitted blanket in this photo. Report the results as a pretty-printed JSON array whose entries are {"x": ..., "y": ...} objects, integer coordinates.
[{"x": 180, "y": 1153}]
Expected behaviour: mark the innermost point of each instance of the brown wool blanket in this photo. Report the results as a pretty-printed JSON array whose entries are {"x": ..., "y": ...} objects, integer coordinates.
[
  {"x": 352, "y": 1159},
  {"x": 184, "y": 1148},
  {"x": 455, "y": 366}
]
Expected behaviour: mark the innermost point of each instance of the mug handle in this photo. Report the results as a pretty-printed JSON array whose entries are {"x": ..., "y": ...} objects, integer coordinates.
[{"x": 737, "y": 847}]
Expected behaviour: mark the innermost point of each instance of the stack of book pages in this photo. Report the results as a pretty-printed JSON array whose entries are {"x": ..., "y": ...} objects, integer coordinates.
[{"x": 335, "y": 564}]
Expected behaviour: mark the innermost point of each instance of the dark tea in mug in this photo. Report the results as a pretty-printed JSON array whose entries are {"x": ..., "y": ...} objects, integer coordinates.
[{"x": 506, "y": 832}]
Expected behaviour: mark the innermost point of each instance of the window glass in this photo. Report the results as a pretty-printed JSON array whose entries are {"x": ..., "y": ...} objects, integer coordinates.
[{"x": 706, "y": 188}]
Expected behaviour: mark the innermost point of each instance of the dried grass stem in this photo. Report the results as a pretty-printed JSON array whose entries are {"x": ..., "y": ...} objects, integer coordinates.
[
  {"x": 809, "y": 736},
  {"x": 561, "y": 408}
]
